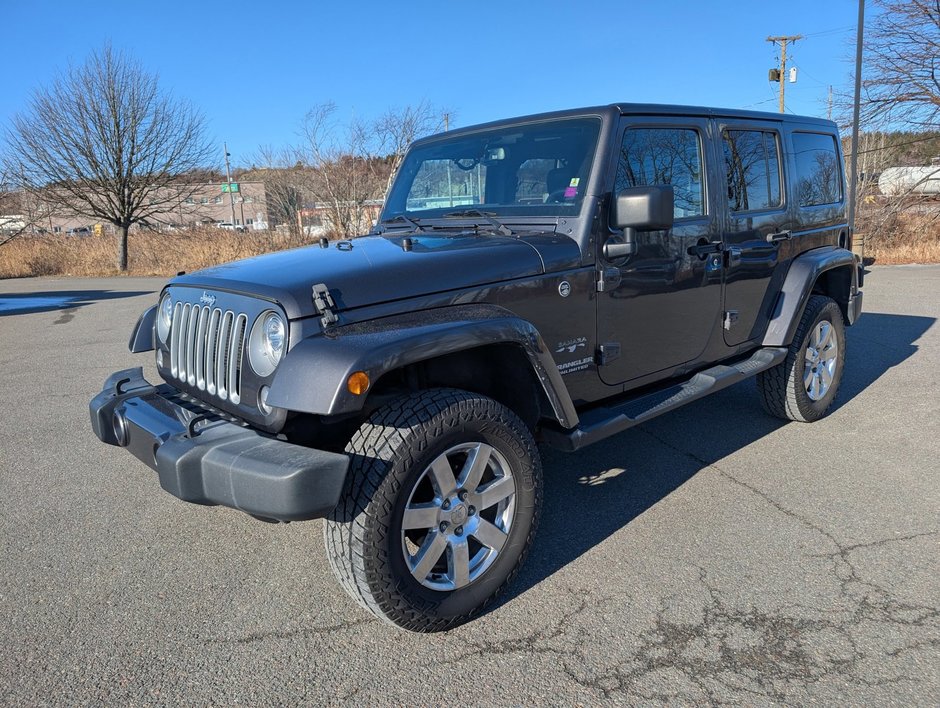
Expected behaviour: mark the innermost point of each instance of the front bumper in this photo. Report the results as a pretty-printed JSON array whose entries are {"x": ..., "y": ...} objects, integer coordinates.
[{"x": 203, "y": 458}]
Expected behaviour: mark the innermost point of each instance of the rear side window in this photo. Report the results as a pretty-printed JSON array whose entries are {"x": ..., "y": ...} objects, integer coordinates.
[
  {"x": 818, "y": 172},
  {"x": 650, "y": 156},
  {"x": 752, "y": 163}
]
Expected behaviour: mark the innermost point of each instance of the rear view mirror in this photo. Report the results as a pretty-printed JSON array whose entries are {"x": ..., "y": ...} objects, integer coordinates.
[{"x": 648, "y": 208}]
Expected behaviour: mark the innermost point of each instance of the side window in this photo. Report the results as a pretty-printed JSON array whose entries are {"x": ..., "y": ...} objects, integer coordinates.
[
  {"x": 673, "y": 156},
  {"x": 752, "y": 163},
  {"x": 818, "y": 172}
]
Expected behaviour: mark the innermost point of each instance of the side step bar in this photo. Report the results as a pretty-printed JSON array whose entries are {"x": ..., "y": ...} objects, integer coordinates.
[{"x": 605, "y": 421}]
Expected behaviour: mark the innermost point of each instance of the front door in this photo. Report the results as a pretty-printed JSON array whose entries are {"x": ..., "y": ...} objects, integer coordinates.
[{"x": 666, "y": 305}]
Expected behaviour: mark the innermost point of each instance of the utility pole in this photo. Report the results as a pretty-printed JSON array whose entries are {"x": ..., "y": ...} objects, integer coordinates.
[
  {"x": 228, "y": 178},
  {"x": 446, "y": 122},
  {"x": 780, "y": 75},
  {"x": 829, "y": 111},
  {"x": 853, "y": 162}
]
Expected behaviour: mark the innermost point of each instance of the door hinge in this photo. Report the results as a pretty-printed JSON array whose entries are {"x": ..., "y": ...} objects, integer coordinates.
[
  {"x": 323, "y": 301},
  {"x": 607, "y": 352},
  {"x": 608, "y": 279},
  {"x": 731, "y": 319}
]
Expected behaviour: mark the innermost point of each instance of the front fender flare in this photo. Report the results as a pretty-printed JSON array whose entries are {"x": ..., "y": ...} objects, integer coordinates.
[
  {"x": 142, "y": 336},
  {"x": 798, "y": 286},
  {"x": 312, "y": 378}
]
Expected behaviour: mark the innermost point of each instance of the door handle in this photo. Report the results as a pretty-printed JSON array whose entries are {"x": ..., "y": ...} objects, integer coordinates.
[
  {"x": 778, "y": 237},
  {"x": 704, "y": 248}
]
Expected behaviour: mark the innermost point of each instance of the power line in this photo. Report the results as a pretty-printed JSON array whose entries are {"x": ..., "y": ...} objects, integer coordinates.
[
  {"x": 897, "y": 145},
  {"x": 834, "y": 30}
]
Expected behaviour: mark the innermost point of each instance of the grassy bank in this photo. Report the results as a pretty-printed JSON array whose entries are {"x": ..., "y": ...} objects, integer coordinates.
[
  {"x": 150, "y": 253},
  {"x": 904, "y": 238},
  {"x": 894, "y": 239}
]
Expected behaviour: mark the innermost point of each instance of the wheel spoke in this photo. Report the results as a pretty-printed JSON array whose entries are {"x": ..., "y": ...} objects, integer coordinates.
[
  {"x": 824, "y": 335},
  {"x": 443, "y": 477},
  {"x": 459, "y": 563},
  {"x": 828, "y": 354},
  {"x": 489, "y": 535},
  {"x": 495, "y": 492},
  {"x": 475, "y": 466},
  {"x": 420, "y": 516},
  {"x": 808, "y": 376},
  {"x": 429, "y": 553},
  {"x": 814, "y": 387},
  {"x": 825, "y": 377}
]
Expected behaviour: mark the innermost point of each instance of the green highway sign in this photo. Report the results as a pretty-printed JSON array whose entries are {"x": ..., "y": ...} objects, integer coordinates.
[{"x": 229, "y": 187}]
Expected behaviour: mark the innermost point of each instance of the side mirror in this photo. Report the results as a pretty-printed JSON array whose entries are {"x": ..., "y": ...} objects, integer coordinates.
[{"x": 648, "y": 208}]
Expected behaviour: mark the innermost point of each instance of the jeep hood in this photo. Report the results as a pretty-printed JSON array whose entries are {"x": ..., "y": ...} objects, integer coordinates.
[{"x": 376, "y": 269}]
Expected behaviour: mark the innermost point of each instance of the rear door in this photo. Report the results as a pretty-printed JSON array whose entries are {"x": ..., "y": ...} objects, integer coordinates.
[
  {"x": 666, "y": 302},
  {"x": 757, "y": 224}
]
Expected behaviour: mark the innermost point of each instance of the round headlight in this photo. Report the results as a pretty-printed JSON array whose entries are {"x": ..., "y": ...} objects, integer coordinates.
[
  {"x": 266, "y": 343},
  {"x": 164, "y": 317}
]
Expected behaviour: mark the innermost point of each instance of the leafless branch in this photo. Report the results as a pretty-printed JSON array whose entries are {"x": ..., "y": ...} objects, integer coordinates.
[{"x": 102, "y": 141}]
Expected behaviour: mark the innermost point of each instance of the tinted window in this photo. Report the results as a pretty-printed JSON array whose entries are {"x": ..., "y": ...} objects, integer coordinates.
[
  {"x": 752, "y": 163},
  {"x": 818, "y": 172},
  {"x": 664, "y": 156}
]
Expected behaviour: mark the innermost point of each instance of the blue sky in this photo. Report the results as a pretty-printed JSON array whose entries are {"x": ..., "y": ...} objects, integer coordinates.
[{"x": 255, "y": 68}]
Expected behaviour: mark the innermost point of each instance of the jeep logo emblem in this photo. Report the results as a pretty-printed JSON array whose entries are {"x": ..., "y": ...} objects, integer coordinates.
[
  {"x": 564, "y": 288},
  {"x": 207, "y": 299}
]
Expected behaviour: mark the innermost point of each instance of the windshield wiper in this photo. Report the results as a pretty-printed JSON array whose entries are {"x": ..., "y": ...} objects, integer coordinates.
[
  {"x": 487, "y": 216},
  {"x": 413, "y": 223}
]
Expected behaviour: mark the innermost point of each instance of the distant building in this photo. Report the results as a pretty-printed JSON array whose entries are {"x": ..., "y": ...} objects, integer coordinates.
[{"x": 207, "y": 204}]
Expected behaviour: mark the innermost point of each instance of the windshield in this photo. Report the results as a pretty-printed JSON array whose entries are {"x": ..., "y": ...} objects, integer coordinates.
[{"x": 535, "y": 169}]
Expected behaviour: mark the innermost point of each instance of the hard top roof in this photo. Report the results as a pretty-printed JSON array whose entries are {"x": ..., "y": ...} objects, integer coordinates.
[{"x": 647, "y": 109}]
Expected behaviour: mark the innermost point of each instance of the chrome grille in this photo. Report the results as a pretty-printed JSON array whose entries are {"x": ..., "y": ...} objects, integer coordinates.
[{"x": 206, "y": 348}]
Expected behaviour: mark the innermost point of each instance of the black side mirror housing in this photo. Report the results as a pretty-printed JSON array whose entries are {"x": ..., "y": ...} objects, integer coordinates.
[{"x": 647, "y": 208}]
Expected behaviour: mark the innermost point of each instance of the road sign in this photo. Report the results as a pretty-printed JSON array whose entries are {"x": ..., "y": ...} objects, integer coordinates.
[{"x": 229, "y": 187}]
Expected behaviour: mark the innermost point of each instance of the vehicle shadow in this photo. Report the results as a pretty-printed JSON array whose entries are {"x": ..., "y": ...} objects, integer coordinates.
[
  {"x": 27, "y": 303},
  {"x": 592, "y": 494}
]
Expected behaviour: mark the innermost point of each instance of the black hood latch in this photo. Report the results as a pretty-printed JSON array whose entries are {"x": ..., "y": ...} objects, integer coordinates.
[{"x": 323, "y": 301}]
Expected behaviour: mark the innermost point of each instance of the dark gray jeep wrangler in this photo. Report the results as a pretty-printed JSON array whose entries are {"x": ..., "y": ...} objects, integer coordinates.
[{"x": 557, "y": 278}]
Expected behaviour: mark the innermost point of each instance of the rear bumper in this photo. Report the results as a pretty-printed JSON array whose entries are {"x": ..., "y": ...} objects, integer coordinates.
[{"x": 204, "y": 459}]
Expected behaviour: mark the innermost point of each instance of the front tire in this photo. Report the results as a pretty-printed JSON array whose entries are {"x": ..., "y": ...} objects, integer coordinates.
[
  {"x": 441, "y": 503},
  {"x": 804, "y": 385}
]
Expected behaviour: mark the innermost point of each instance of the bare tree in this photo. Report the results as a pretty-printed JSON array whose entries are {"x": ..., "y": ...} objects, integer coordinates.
[
  {"x": 397, "y": 128},
  {"x": 901, "y": 75},
  {"x": 285, "y": 182},
  {"x": 352, "y": 164},
  {"x": 103, "y": 141}
]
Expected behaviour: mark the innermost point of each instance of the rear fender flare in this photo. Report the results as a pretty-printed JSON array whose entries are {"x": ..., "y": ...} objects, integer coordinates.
[
  {"x": 312, "y": 378},
  {"x": 804, "y": 272}
]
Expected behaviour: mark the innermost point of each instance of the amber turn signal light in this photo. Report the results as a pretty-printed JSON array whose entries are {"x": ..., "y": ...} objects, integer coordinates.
[{"x": 358, "y": 383}]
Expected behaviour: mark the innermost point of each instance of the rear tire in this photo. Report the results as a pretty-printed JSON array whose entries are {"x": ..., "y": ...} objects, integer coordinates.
[
  {"x": 407, "y": 540},
  {"x": 804, "y": 385}
]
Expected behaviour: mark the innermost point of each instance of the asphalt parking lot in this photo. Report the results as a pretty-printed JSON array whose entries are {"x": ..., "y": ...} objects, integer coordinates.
[{"x": 714, "y": 554}]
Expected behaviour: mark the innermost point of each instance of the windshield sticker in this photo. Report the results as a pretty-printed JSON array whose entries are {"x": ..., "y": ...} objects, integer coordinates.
[{"x": 572, "y": 189}]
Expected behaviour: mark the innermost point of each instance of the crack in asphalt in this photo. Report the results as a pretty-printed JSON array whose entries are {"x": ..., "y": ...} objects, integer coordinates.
[
  {"x": 289, "y": 633},
  {"x": 735, "y": 654}
]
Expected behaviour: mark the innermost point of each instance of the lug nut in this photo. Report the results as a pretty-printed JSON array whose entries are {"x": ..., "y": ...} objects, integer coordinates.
[
  {"x": 459, "y": 531},
  {"x": 462, "y": 494},
  {"x": 444, "y": 525},
  {"x": 471, "y": 510},
  {"x": 446, "y": 505}
]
